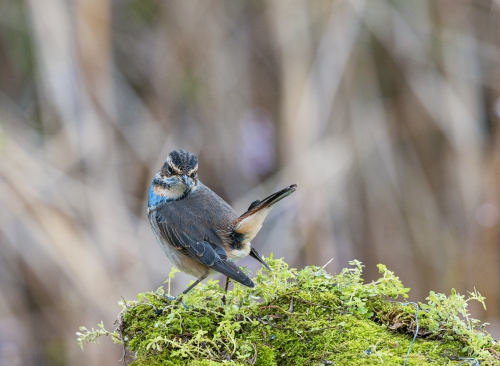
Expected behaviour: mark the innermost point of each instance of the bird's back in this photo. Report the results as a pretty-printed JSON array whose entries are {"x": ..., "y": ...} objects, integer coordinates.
[
  {"x": 204, "y": 207},
  {"x": 201, "y": 211},
  {"x": 194, "y": 232}
]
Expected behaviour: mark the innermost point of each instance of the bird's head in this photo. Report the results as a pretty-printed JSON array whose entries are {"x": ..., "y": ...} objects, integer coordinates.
[{"x": 177, "y": 177}]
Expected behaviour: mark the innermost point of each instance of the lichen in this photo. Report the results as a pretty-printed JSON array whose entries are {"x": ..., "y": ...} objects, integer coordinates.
[{"x": 306, "y": 317}]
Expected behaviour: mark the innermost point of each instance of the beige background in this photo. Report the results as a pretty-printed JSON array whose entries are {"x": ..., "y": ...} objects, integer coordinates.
[{"x": 385, "y": 112}]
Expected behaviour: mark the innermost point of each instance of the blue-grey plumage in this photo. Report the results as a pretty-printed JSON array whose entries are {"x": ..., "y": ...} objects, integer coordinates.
[{"x": 198, "y": 231}]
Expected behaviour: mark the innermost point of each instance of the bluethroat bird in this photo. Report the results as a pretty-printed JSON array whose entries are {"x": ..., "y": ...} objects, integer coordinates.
[{"x": 198, "y": 231}]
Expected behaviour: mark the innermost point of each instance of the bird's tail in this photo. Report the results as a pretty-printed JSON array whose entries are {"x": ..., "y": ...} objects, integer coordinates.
[{"x": 248, "y": 225}]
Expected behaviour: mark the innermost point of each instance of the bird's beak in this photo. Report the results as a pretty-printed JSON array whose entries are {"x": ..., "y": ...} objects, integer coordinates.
[{"x": 185, "y": 179}]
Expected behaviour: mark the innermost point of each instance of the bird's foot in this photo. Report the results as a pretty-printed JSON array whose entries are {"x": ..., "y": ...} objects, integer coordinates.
[
  {"x": 176, "y": 298},
  {"x": 184, "y": 304}
]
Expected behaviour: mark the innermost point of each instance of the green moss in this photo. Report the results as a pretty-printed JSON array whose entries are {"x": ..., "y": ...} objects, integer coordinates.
[
  {"x": 306, "y": 317},
  {"x": 266, "y": 357}
]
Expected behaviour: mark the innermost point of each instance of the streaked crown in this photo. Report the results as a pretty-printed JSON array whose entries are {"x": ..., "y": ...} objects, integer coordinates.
[{"x": 180, "y": 162}]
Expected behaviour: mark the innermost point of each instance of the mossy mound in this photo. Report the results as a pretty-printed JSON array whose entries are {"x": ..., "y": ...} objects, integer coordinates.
[{"x": 305, "y": 317}]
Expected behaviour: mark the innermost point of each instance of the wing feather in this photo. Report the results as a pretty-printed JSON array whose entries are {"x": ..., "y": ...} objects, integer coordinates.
[{"x": 200, "y": 243}]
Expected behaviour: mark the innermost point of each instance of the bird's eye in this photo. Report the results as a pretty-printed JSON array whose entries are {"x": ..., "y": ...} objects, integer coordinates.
[
  {"x": 169, "y": 170},
  {"x": 194, "y": 175}
]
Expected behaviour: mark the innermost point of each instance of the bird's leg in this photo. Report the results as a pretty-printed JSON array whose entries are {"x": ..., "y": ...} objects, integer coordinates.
[
  {"x": 227, "y": 284},
  {"x": 193, "y": 285},
  {"x": 225, "y": 290},
  {"x": 179, "y": 298}
]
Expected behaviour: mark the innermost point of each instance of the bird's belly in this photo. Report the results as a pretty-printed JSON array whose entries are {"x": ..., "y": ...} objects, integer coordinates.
[{"x": 181, "y": 261}]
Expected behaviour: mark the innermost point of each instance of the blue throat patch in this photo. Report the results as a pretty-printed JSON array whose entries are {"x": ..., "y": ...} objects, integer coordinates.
[{"x": 154, "y": 199}]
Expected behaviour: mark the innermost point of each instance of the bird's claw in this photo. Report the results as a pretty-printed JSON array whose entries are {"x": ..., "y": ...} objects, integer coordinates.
[{"x": 176, "y": 298}]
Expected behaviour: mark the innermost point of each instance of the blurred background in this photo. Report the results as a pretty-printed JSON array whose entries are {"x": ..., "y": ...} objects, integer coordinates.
[{"x": 385, "y": 112}]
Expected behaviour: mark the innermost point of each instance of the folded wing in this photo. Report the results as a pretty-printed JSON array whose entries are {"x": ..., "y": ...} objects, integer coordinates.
[{"x": 203, "y": 245}]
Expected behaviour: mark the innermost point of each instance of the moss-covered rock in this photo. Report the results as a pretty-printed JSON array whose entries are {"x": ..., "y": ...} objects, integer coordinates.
[{"x": 305, "y": 317}]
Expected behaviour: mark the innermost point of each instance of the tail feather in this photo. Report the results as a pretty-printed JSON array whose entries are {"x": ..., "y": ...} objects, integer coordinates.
[
  {"x": 251, "y": 221},
  {"x": 256, "y": 255}
]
